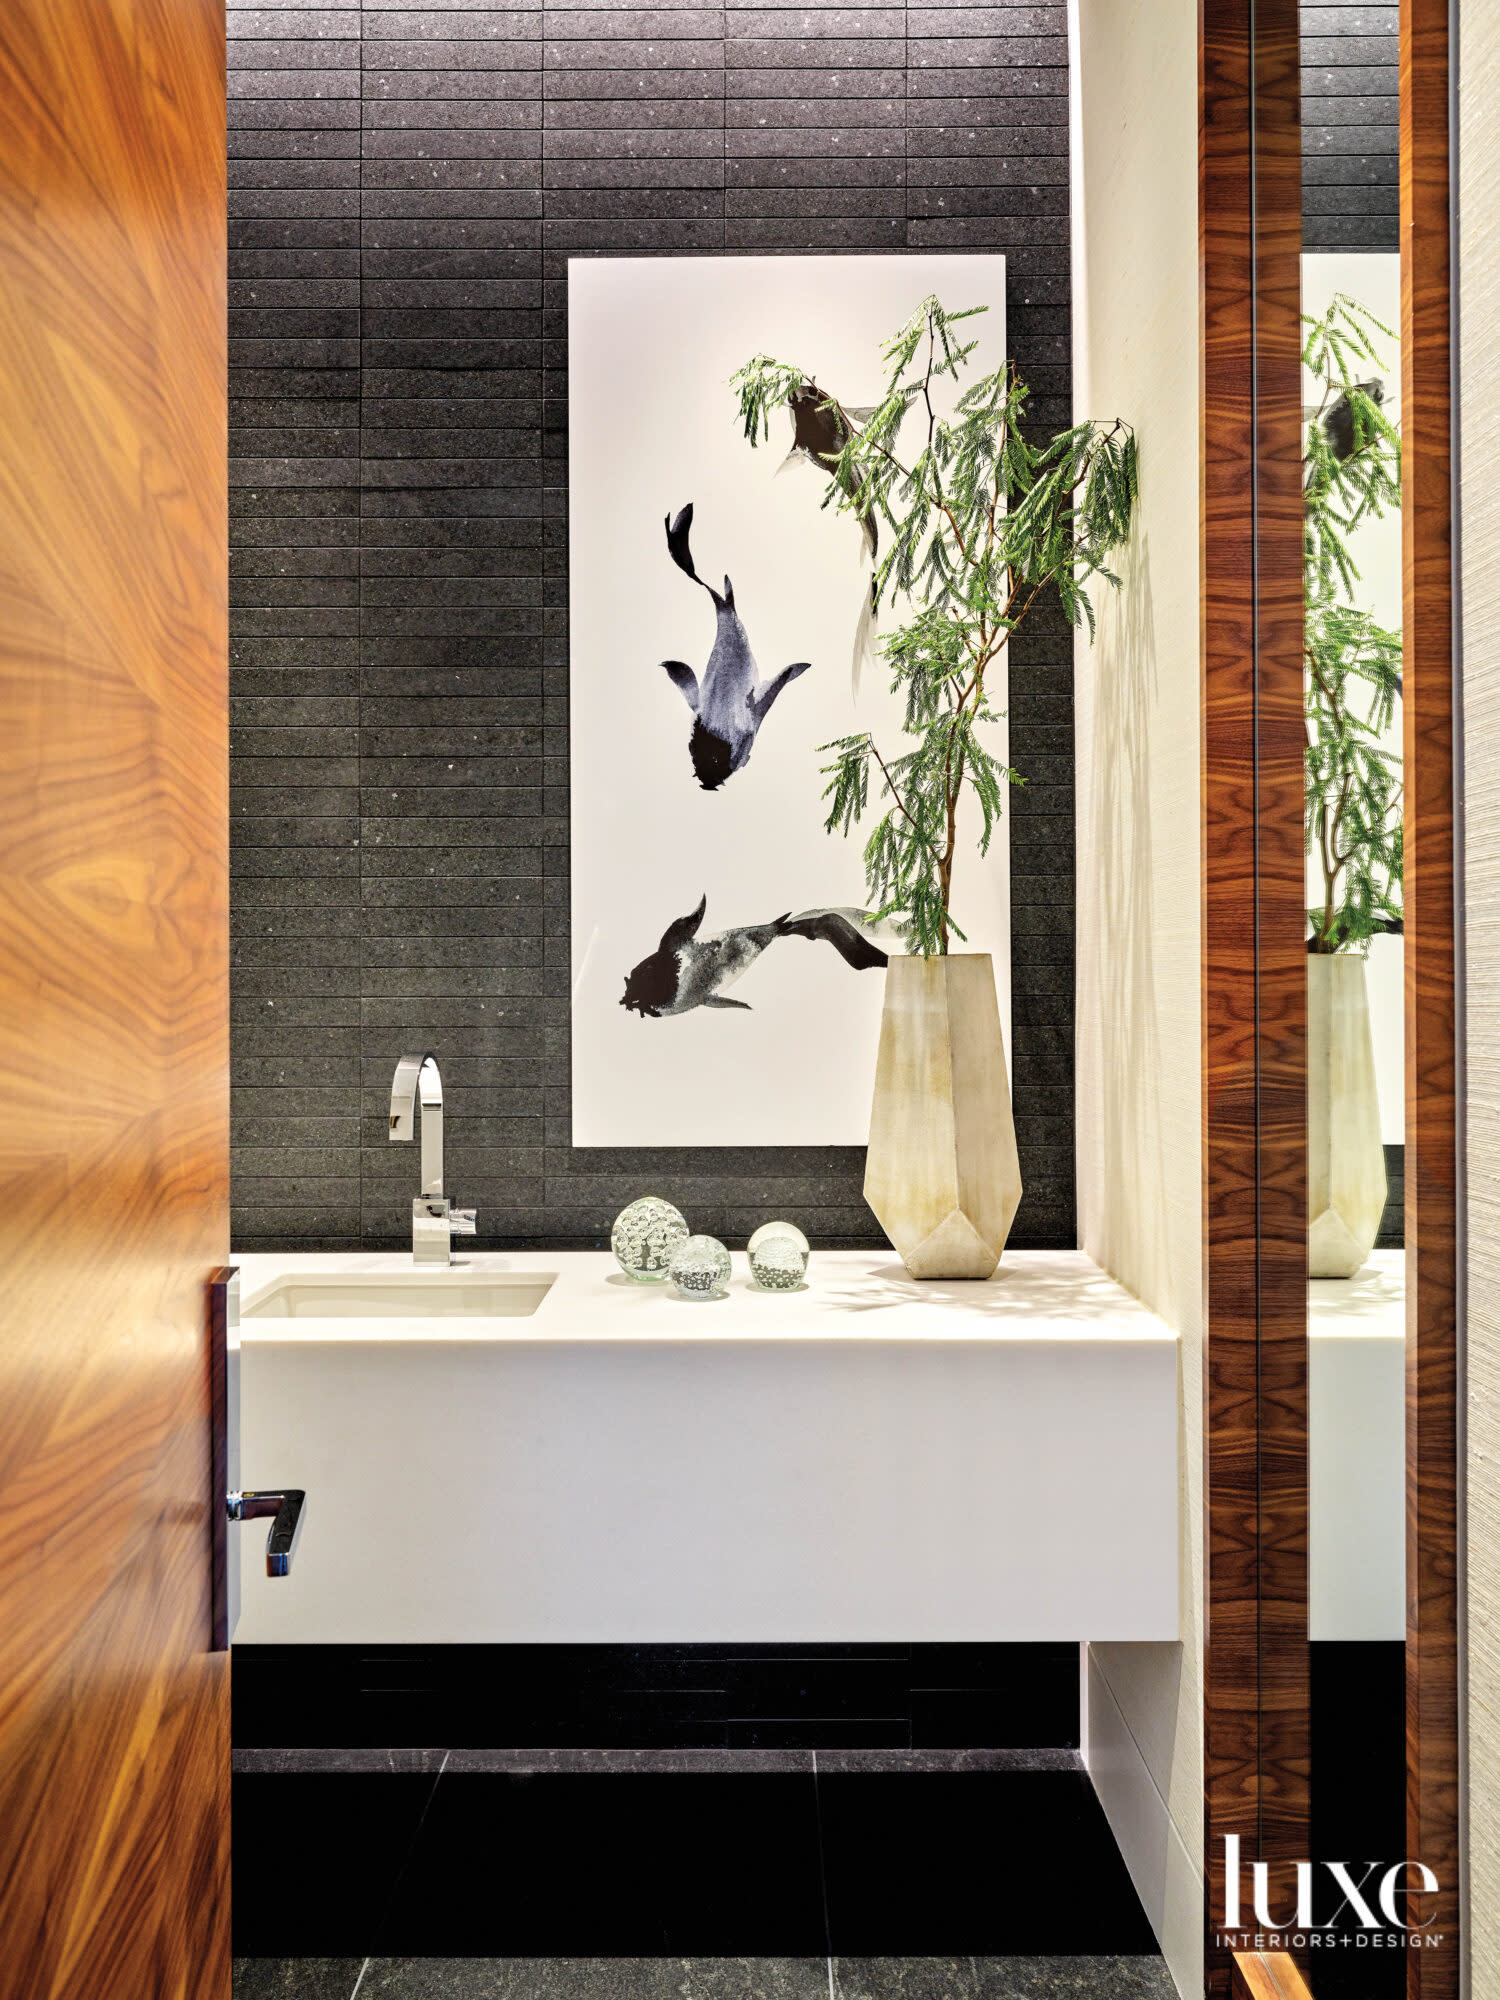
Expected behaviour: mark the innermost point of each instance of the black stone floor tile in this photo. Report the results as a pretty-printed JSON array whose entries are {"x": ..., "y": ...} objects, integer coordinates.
[
  {"x": 905, "y": 1979},
  {"x": 296, "y": 1978},
  {"x": 316, "y": 1858},
  {"x": 943, "y": 1978},
  {"x": 342, "y": 1761},
  {"x": 1134, "y": 1977},
  {"x": 1036, "y": 1978},
  {"x": 595, "y": 1979},
  {"x": 918, "y": 1863},
  {"x": 612, "y": 1865},
  {"x": 689, "y": 1763}
]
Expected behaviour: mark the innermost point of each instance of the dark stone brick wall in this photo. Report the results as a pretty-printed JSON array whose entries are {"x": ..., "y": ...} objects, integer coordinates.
[
  {"x": 1350, "y": 185},
  {"x": 407, "y": 183}
]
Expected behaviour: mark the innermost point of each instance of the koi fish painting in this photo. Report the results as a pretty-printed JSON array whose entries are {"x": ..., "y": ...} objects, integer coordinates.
[{"x": 726, "y": 975}]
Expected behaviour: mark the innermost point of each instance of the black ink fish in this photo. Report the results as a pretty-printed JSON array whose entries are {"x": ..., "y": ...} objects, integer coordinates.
[
  {"x": 1338, "y": 424},
  {"x": 820, "y": 430},
  {"x": 821, "y": 427},
  {"x": 732, "y": 701},
  {"x": 686, "y": 971}
]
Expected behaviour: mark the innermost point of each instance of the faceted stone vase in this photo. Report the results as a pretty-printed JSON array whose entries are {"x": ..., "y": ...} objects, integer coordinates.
[
  {"x": 942, "y": 1173},
  {"x": 1346, "y": 1187}
]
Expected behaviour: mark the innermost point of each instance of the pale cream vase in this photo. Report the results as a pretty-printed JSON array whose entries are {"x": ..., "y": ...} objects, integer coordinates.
[
  {"x": 943, "y": 1176},
  {"x": 1345, "y": 1159}
]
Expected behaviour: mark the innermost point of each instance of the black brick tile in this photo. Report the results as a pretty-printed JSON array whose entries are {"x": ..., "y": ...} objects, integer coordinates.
[{"x": 408, "y": 182}]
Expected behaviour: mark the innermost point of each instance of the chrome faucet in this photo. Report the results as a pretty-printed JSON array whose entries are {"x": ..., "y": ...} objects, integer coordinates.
[{"x": 434, "y": 1220}]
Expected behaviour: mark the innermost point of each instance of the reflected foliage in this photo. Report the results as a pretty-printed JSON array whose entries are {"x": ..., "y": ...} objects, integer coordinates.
[{"x": 1352, "y": 821}]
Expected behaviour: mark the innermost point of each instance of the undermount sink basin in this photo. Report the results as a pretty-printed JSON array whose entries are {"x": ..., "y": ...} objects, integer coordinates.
[{"x": 404, "y": 1295}]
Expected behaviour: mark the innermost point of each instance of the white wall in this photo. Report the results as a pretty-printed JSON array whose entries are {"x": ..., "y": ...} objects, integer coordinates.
[
  {"x": 1135, "y": 352},
  {"x": 1479, "y": 558}
]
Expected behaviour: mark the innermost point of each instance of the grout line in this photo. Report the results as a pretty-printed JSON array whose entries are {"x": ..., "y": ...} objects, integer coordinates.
[
  {"x": 822, "y": 1871},
  {"x": 411, "y": 1848},
  {"x": 360, "y": 1981}
]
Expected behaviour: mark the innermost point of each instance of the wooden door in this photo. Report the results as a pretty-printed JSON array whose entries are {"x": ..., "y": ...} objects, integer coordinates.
[{"x": 113, "y": 995}]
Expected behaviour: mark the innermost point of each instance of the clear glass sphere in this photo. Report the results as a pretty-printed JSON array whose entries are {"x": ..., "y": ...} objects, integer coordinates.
[
  {"x": 700, "y": 1268},
  {"x": 768, "y": 1229},
  {"x": 778, "y": 1257},
  {"x": 644, "y": 1236}
]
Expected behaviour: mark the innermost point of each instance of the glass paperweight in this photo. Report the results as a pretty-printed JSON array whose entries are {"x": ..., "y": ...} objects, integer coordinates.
[
  {"x": 777, "y": 1229},
  {"x": 700, "y": 1268},
  {"x": 778, "y": 1257},
  {"x": 644, "y": 1237}
]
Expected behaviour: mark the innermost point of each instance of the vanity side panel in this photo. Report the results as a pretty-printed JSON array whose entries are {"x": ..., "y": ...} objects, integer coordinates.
[{"x": 1136, "y": 355}]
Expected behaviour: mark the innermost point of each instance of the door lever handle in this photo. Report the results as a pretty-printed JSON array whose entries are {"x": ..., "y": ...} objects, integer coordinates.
[{"x": 286, "y": 1512}]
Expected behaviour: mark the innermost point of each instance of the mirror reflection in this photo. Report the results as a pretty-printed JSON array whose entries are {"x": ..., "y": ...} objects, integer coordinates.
[{"x": 1351, "y": 392}]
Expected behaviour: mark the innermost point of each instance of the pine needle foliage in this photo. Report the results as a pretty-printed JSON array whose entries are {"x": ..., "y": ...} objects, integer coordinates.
[
  {"x": 1352, "y": 473},
  {"x": 978, "y": 524}
]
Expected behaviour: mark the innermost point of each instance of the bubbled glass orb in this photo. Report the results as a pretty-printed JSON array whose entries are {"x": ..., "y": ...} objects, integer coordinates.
[
  {"x": 700, "y": 1268},
  {"x": 778, "y": 1257},
  {"x": 777, "y": 1229},
  {"x": 644, "y": 1237}
]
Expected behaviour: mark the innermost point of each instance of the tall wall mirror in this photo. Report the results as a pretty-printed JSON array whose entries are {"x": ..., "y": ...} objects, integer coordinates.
[
  {"x": 1351, "y": 443},
  {"x": 1353, "y": 1769}
]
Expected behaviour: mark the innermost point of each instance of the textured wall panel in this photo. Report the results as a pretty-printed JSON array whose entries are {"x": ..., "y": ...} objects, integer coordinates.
[
  {"x": 1140, "y": 880},
  {"x": 407, "y": 186},
  {"x": 1478, "y": 321}
]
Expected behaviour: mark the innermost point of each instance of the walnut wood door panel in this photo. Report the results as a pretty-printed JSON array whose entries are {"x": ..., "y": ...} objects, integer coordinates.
[
  {"x": 1254, "y": 959},
  {"x": 113, "y": 995},
  {"x": 1432, "y": 1153}
]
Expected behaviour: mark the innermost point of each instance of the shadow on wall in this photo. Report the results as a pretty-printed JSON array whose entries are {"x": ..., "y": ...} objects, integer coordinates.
[{"x": 1128, "y": 1231}]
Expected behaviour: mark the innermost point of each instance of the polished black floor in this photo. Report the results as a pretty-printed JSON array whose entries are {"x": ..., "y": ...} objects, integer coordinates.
[
  {"x": 1034, "y": 1978},
  {"x": 961, "y": 1868}
]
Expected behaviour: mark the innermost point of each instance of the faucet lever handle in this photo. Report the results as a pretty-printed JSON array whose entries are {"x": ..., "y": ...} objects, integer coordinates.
[
  {"x": 286, "y": 1513},
  {"x": 461, "y": 1221}
]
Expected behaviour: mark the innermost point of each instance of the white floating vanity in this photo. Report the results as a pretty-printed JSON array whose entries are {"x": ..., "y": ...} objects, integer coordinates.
[
  {"x": 1356, "y": 1452},
  {"x": 534, "y": 1448}
]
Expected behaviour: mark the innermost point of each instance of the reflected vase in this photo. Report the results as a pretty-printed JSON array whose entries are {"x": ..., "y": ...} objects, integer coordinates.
[{"x": 1346, "y": 1186}]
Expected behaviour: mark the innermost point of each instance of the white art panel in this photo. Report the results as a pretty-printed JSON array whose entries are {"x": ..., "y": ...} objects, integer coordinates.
[{"x": 653, "y": 427}]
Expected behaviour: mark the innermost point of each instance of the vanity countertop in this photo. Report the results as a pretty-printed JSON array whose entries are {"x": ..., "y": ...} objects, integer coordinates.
[
  {"x": 868, "y": 1458},
  {"x": 1036, "y": 1295}
]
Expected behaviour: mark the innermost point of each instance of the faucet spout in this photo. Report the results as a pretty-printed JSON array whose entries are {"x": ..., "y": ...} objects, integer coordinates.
[
  {"x": 417, "y": 1081},
  {"x": 417, "y": 1089}
]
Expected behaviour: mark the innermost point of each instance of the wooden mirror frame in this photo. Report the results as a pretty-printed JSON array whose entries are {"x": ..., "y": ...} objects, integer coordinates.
[{"x": 1256, "y": 1683}]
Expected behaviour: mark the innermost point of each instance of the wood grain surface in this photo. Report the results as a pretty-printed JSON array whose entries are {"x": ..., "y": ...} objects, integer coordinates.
[
  {"x": 113, "y": 994},
  {"x": 1254, "y": 969},
  {"x": 1268, "y": 1975},
  {"x": 1432, "y": 1462}
]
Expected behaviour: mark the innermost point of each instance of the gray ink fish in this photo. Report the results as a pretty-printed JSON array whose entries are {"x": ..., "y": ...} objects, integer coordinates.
[
  {"x": 686, "y": 971},
  {"x": 821, "y": 427},
  {"x": 731, "y": 701},
  {"x": 1338, "y": 424}
]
